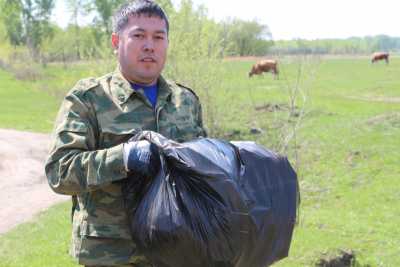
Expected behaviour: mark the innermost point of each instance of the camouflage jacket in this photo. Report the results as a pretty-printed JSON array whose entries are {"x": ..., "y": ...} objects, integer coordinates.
[{"x": 86, "y": 156}]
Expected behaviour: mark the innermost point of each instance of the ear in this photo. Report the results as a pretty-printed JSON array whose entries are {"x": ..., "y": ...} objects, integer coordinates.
[{"x": 114, "y": 40}]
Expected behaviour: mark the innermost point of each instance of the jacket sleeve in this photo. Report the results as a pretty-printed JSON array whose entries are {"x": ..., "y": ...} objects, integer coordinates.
[
  {"x": 199, "y": 116},
  {"x": 74, "y": 164}
]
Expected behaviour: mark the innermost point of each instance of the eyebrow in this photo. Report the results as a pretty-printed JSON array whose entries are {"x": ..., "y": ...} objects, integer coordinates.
[{"x": 143, "y": 30}]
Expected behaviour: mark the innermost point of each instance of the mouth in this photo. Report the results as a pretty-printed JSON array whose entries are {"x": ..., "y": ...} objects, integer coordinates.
[{"x": 148, "y": 60}]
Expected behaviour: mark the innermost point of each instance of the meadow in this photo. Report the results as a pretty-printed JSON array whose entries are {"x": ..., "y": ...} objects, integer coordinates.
[{"x": 337, "y": 119}]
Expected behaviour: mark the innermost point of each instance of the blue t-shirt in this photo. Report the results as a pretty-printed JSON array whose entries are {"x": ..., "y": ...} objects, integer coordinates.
[{"x": 151, "y": 92}]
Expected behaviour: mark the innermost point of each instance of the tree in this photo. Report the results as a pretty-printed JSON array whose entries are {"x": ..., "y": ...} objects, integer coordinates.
[
  {"x": 77, "y": 8},
  {"x": 247, "y": 37},
  {"x": 36, "y": 16},
  {"x": 27, "y": 22},
  {"x": 11, "y": 17},
  {"x": 194, "y": 57},
  {"x": 105, "y": 9}
]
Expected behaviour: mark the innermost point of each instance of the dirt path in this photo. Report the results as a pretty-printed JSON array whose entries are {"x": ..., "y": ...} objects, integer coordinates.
[{"x": 23, "y": 186}]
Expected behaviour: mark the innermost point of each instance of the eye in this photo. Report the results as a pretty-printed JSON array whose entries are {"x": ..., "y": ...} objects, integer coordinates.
[{"x": 138, "y": 35}]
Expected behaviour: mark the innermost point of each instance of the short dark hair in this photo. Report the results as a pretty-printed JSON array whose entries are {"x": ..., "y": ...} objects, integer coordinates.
[{"x": 137, "y": 7}]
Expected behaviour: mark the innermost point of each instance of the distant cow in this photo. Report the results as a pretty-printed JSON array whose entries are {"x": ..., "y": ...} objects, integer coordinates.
[
  {"x": 267, "y": 65},
  {"x": 380, "y": 56}
]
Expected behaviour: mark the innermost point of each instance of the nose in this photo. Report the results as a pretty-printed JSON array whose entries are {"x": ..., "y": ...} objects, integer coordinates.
[{"x": 148, "y": 45}]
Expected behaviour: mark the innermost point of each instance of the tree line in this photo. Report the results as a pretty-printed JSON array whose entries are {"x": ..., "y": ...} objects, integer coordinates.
[
  {"x": 27, "y": 24},
  {"x": 352, "y": 45},
  {"x": 26, "y": 27}
]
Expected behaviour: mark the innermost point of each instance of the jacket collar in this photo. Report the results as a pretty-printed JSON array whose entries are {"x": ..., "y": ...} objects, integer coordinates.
[{"x": 122, "y": 90}]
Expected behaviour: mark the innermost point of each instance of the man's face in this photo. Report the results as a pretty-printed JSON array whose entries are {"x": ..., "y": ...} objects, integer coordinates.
[{"x": 142, "y": 48}]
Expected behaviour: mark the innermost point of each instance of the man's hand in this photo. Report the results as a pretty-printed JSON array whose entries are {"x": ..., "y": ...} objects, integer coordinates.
[{"x": 142, "y": 157}]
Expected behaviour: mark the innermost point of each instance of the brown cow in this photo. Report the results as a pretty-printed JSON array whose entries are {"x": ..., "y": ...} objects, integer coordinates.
[
  {"x": 380, "y": 56},
  {"x": 266, "y": 65}
]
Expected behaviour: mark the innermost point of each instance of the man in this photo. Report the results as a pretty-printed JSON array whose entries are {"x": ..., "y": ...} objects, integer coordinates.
[{"x": 91, "y": 152}]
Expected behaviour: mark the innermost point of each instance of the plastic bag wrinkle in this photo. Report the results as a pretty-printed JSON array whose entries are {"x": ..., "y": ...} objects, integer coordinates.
[{"x": 213, "y": 203}]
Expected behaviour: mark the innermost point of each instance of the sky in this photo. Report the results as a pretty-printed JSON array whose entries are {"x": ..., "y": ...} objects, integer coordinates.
[{"x": 306, "y": 19}]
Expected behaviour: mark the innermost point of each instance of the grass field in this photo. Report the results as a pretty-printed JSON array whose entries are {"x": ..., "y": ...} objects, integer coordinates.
[
  {"x": 347, "y": 153},
  {"x": 23, "y": 106}
]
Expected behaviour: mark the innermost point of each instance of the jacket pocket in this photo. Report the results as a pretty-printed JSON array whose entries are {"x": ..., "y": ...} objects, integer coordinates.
[
  {"x": 104, "y": 245},
  {"x": 113, "y": 136},
  {"x": 118, "y": 231}
]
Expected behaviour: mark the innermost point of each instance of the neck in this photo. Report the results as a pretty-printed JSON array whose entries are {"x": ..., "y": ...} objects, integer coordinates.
[{"x": 141, "y": 83}]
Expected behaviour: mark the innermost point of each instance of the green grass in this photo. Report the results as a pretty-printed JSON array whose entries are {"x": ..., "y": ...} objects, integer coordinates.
[
  {"x": 24, "y": 107},
  {"x": 348, "y": 149},
  {"x": 32, "y": 103},
  {"x": 40, "y": 243}
]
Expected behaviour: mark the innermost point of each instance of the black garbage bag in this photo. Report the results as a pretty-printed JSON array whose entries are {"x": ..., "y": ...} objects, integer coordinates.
[
  {"x": 270, "y": 188},
  {"x": 213, "y": 203}
]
